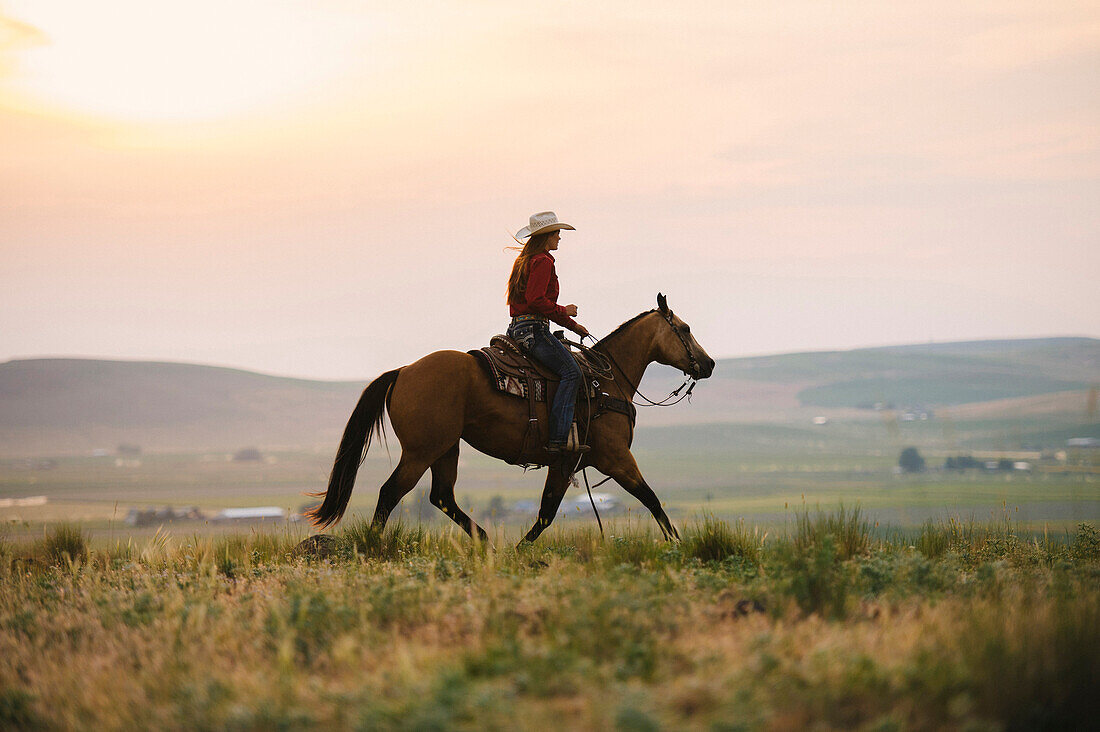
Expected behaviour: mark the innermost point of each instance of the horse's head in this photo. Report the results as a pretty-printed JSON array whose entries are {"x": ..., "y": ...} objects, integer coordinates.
[{"x": 675, "y": 346}]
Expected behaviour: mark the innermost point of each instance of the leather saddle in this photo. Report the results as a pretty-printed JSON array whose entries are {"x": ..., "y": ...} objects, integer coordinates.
[
  {"x": 516, "y": 373},
  {"x": 513, "y": 372}
]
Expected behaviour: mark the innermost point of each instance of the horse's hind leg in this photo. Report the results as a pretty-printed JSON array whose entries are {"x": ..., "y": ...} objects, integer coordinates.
[
  {"x": 552, "y": 493},
  {"x": 444, "y": 473},
  {"x": 402, "y": 480}
]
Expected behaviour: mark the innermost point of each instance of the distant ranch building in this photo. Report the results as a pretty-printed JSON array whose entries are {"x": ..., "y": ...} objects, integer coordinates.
[
  {"x": 23, "y": 502},
  {"x": 259, "y": 513}
]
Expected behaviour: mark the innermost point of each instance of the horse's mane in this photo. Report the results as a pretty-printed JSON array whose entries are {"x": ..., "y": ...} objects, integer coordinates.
[{"x": 612, "y": 334}]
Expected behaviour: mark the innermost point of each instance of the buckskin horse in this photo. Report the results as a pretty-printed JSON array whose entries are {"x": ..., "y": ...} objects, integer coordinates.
[{"x": 447, "y": 396}]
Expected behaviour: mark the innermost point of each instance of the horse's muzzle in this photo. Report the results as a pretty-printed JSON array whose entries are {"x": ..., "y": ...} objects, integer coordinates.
[{"x": 705, "y": 369}]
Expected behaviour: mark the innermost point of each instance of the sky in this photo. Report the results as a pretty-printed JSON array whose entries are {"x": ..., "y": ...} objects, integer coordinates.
[{"x": 327, "y": 189}]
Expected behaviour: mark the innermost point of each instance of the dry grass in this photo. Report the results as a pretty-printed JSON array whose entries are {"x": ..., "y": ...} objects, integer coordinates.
[{"x": 420, "y": 630}]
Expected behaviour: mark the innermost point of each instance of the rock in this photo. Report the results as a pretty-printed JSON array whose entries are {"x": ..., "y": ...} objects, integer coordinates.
[
  {"x": 731, "y": 608},
  {"x": 318, "y": 546},
  {"x": 747, "y": 607}
]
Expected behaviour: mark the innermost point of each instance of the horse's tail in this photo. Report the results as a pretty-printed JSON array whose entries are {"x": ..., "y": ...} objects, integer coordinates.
[{"x": 365, "y": 422}]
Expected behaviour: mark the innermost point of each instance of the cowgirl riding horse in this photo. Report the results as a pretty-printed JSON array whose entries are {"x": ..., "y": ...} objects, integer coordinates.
[
  {"x": 533, "y": 303},
  {"x": 446, "y": 398}
]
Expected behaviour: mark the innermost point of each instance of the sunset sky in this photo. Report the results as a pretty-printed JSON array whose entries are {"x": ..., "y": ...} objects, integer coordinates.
[{"x": 326, "y": 189}]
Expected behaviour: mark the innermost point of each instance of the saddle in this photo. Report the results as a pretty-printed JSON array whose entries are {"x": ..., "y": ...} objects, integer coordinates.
[
  {"x": 513, "y": 372},
  {"x": 516, "y": 373}
]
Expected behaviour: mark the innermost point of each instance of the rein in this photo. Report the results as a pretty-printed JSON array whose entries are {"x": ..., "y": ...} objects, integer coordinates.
[{"x": 694, "y": 364}]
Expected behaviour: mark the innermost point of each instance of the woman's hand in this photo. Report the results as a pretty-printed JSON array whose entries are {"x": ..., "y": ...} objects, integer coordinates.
[{"x": 571, "y": 310}]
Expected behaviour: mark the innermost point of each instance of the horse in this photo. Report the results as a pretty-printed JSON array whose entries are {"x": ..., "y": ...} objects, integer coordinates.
[{"x": 447, "y": 396}]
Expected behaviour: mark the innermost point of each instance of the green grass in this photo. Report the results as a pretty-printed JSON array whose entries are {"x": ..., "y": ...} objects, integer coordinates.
[
  {"x": 828, "y": 624},
  {"x": 943, "y": 389},
  {"x": 715, "y": 540}
]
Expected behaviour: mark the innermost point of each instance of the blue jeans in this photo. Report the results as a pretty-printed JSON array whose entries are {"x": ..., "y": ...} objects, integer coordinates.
[{"x": 534, "y": 337}]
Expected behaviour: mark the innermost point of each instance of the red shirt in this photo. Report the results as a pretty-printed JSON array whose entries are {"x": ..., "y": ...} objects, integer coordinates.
[{"x": 541, "y": 295}]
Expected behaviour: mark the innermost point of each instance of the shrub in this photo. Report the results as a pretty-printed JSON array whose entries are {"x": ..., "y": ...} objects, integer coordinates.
[
  {"x": 933, "y": 541},
  {"x": 977, "y": 543},
  {"x": 715, "y": 540},
  {"x": 849, "y": 531},
  {"x": 256, "y": 547},
  {"x": 633, "y": 549},
  {"x": 66, "y": 543},
  {"x": 363, "y": 538},
  {"x": 227, "y": 565},
  {"x": 811, "y": 568},
  {"x": 1086, "y": 544},
  {"x": 905, "y": 574},
  {"x": 814, "y": 576},
  {"x": 581, "y": 542},
  {"x": 878, "y": 573}
]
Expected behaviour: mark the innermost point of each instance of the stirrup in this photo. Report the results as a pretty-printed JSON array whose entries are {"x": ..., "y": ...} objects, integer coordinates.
[
  {"x": 563, "y": 448},
  {"x": 572, "y": 443}
]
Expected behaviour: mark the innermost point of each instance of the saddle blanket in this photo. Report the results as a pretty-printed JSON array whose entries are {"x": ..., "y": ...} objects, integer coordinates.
[{"x": 517, "y": 385}]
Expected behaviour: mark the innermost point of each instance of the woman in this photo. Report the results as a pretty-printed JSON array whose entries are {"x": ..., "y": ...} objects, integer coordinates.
[{"x": 532, "y": 301}]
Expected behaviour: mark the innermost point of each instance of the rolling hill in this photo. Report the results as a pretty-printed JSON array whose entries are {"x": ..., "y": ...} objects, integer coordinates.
[{"x": 71, "y": 406}]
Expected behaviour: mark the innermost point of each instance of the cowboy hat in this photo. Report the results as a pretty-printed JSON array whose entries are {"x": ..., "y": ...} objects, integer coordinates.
[{"x": 541, "y": 223}]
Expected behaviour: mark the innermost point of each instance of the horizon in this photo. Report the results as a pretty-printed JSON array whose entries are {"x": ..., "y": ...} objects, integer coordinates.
[
  {"x": 301, "y": 377},
  {"x": 330, "y": 189}
]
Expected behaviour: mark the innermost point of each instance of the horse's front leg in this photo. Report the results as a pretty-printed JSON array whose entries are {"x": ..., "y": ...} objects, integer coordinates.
[
  {"x": 624, "y": 470},
  {"x": 552, "y": 493}
]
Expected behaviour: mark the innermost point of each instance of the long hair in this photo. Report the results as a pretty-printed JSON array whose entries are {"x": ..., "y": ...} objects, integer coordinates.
[{"x": 517, "y": 282}]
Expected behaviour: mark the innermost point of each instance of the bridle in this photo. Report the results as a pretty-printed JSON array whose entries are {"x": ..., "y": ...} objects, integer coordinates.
[
  {"x": 683, "y": 339},
  {"x": 694, "y": 364}
]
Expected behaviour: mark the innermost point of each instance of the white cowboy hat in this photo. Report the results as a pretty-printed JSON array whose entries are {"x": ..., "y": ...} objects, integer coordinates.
[{"x": 541, "y": 223}]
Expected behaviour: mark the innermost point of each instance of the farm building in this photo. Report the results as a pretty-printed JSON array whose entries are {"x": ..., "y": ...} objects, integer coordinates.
[
  {"x": 267, "y": 513},
  {"x": 605, "y": 502}
]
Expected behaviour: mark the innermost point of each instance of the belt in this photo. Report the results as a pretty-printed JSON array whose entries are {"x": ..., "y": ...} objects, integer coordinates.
[{"x": 521, "y": 318}]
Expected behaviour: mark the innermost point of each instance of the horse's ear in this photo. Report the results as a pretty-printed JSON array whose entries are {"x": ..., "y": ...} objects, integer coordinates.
[{"x": 662, "y": 303}]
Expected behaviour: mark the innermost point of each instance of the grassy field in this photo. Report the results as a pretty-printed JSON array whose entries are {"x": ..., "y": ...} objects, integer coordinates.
[
  {"x": 945, "y": 599},
  {"x": 764, "y": 487},
  {"x": 958, "y": 625}
]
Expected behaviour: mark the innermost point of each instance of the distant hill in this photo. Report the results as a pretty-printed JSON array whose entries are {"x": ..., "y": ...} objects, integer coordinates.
[
  {"x": 67, "y": 406},
  {"x": 935, "y": 374},
  {"x": 71, "y": 406}
]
